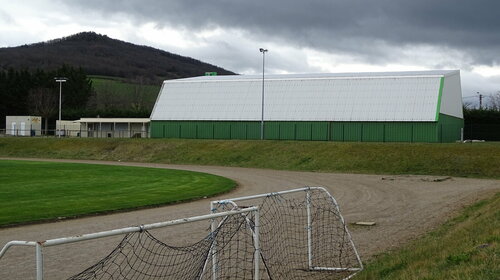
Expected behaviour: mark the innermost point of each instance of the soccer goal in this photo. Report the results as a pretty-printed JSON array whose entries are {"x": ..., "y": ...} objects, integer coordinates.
[
  {"x": 302, "y": 234},
  {"x": 292, "y": 234},
  {"x": 140, "y": 255}
]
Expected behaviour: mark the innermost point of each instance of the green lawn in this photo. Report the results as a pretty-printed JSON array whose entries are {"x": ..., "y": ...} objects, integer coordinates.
[
  {"x": 122, "y": 87},
  {"x": 466, "y": 247},
  {"x": 117, "y": 90},
  {"x": 33, "y": 191}
]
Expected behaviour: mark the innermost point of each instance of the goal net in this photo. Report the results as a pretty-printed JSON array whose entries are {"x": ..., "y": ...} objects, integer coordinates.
[
  {"x": 302, "y": 234},
  {"x": 142, "y": 256},
  {"x": 293, "y": 234}
]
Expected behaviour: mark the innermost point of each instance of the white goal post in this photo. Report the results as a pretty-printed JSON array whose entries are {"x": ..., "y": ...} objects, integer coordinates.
[
  {"x": 313, "y": 212},
  {"x": 39, "y": 245}
]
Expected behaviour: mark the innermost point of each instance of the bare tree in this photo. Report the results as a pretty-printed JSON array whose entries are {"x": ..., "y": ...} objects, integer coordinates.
[
  {"x": 43, "y": 102},
  {"x": 494, "y": 101},
  {"x": 137, "y": 100},
  {"x": 467, "y": 105}
]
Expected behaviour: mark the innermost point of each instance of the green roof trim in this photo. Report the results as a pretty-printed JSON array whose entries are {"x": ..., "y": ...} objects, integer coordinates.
[{"x": 441, "y": 84}]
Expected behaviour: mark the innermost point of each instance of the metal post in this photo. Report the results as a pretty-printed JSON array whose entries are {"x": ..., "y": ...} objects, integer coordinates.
[
  {"x": 214, "y": 244},
  {"x": 60, "y": 81},
  {"x": 60, "y": 97},
  {"x": 39, "y": 262},
  {"x": 263, "y": 51},
  {"x": 262, "y": 101},
  {"x": 480, "y": 100},
  {"x": 309, "y": 229},
  {"x": 256, "y": 245}
]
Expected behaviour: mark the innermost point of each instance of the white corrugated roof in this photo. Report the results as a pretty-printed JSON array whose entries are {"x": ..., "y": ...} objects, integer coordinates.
[
  {"x": 383, "y": 96},
  {"x": 360, "y": 75}
]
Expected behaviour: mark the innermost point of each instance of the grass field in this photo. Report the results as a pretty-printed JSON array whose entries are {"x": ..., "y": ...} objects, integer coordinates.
[
  {"x": 33, "y": 191},
  {"x": 116, "y": 90},
  {"x": 466, "y": 247},
  {"x": 479, "y": 160},
  {"x": 118, "y": 85}
]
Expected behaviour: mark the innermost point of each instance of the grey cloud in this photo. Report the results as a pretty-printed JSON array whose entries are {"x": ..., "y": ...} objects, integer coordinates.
[
  {"x": 356, "y": 27},
  {"x": 472, "y": 83}
]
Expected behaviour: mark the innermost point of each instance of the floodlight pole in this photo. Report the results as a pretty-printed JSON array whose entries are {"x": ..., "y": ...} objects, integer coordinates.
[
  {"x": 263, "y": 51},
  {"x": 60, "y": 81}
]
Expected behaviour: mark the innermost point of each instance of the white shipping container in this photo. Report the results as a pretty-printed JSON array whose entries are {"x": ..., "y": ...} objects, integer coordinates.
[{"x": 23, "y": 125}]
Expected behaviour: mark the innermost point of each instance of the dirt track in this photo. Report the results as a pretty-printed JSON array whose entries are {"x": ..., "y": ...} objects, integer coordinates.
[{"x": 402, "y": 206}]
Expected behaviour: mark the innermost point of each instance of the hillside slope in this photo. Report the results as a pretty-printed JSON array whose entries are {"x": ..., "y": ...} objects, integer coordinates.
[{"x": 100, "y": 55}]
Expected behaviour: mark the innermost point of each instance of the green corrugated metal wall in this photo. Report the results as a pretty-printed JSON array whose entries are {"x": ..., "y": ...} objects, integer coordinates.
[
  {"x": 450, "y": 128},
  {"x": 205, "y": 131},
  {"x": 398, "y": 132},
  {"x": 446, "y": 129}
]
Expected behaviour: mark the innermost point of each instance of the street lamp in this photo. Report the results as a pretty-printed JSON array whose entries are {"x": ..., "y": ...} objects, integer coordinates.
[
  {"x": 263, "y": 51},
  {"x": 60, "y": 80}
]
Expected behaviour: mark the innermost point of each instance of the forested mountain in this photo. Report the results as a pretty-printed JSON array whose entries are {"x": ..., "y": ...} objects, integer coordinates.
[
  {"x": 133, "y": 77},
  {"x": 100, "y": 55}
]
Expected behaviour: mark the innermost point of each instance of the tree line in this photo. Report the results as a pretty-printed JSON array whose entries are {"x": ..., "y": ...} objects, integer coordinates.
[
  {"x": 36, "y": 93},
  {"x": 482, "y": 124}
]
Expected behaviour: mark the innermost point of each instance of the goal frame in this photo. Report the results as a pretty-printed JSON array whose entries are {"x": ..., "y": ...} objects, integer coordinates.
[
  {"x": 307, "y": 190},
  {"x": 39, "y": 245}
]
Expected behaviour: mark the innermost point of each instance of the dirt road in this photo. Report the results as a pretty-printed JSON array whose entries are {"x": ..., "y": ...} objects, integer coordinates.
[{"x": 403, "y": 207}]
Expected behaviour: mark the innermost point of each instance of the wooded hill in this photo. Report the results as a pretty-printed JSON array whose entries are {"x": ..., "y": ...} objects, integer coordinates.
[{"x": 100, "y": 55}]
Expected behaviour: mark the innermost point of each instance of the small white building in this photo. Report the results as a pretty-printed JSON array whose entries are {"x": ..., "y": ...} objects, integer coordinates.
[
  {"x": 68, "y": 128},
  {"x": 114, "y": 127},
  {"x": 23, "y": 125}
]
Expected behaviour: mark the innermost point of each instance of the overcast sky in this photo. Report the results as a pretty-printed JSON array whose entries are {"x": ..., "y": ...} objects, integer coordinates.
[{"x": 303, "y": 36}]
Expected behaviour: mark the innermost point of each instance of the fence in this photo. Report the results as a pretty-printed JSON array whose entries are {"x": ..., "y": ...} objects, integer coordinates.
[
  {"x": 75, "y": 133},
  {"x": 487, "y": 132}
]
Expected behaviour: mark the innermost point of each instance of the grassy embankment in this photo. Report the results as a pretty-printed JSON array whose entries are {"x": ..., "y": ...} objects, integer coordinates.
[
  {"x": 34, "y": 191},
  {"x": 479, "y": 160},
  {"x": 466, "y": 247}
]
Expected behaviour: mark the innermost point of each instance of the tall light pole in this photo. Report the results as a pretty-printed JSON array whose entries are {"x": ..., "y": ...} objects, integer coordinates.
[
  {"x": 263, "y": 51},
  {"x": 60, "y": 80}
]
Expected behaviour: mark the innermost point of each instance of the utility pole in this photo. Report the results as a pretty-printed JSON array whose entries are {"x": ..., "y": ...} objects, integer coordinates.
[{"x": 480, "y": 100}]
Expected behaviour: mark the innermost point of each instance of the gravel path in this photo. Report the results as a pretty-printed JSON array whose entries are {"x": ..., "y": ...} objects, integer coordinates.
[{"x": 403, "y": 207}]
